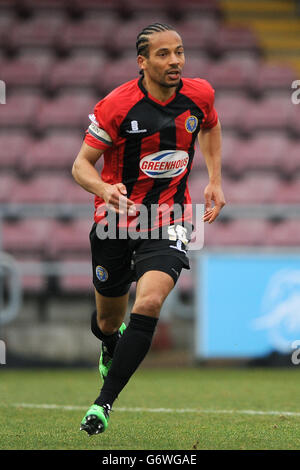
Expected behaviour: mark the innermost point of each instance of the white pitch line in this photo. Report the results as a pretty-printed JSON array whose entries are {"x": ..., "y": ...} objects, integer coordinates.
[{"x": 161, "y": 410}]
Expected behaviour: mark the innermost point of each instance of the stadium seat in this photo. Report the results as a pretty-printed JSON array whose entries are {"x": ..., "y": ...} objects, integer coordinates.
[
  {"x": 285, "y": 233},
  {"x": 230, "y": 108},
  {"x": 256, "y": 188},
  {"x": 8, "y": 182},
  {"x": 70, "y": 238},
  {"x": 20, "y": 110},
  {"x": 41, "y": 30},
  {"x": 268, "y": 113},
  {"x": 263, "y": 151},
  {"x": 75, "y": 194},
  {"x": 78, "y": 71},
  {"x": 240, "y": 232},
  {"x": 291, "y": 162},
  {"x": 118, "y": 72},
  {"x": 272, "y": 77},
  {"x": 289, "y": 192},
  {"x": 55, "y": 152},
  {"x": 33, "y": 280},
  {"x": 24, "y": 72},
  {"x": 68, "y": 111},
  {"x": 234, "y": 39},
  {"x": 294, "y": 118},
  {"x": 41, "y": 189},
  {"x": 225, "y": 75},
  {"x": 12, "y": 149},
  {"x": 87, "y": 33},
  {"x": 26, "y": 236}
]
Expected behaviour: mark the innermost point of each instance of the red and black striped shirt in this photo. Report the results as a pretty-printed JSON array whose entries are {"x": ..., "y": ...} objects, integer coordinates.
[{"x": 148, "y": 144}]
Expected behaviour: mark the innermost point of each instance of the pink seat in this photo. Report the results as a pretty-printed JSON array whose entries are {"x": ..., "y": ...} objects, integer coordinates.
[
  {"x": 272, "y": 76},
  {"x": 235, "y": 39},
  {"x": 246, "y": 232},
  {"x": 75, "y": 194},
  {"x": 78, "y": 71},
  {"x": 294, "y": 117},
  {"x": 8, "y": 183},
  {"x": 19, "y": 110},
  {"x": 256, "y": 188},
  {"x": 226, "y": 75},
  {"x": 231, "y": 108},
  {"x": 70, "y": 238},
  {"x": 289, "y": 192},
  {"x": 285, "y": 233},
  {"x": 26, "y": 236},
  {"x": 291, "y": 161},
  {"x": 90, "y": 32},
  {"x": 38, "y": 31},
  {"x": 12, "y": 148},
  {"x": 118, "y": 72},
  {"x": 66, "y": 111},
  {"x": 24, "y": 71},
  {"x": 268, "y": 113},
  {"x": 266, "y": 150},
  {"x": 39, "y": 190},
  {"x": 57, "y": 151}
]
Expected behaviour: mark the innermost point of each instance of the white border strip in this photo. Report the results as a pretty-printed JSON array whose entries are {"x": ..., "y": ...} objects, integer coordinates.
[{"x": 160, "y": 410}]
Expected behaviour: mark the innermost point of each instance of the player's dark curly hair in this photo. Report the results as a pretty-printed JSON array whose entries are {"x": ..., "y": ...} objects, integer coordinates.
[{"x": 142, "y": 40}]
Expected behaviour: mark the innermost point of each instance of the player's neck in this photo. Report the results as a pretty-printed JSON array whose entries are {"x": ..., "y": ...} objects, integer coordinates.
[{"x": 157, "y": 91}]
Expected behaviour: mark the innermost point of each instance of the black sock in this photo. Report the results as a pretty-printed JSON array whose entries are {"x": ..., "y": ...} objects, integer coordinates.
[
  {"x": 129, "y": 353},
  {"x": 110, "y": 341}
]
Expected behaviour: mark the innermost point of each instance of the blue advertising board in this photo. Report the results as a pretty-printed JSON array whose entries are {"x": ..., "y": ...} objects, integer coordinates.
[{"x": 247, "y": 305}]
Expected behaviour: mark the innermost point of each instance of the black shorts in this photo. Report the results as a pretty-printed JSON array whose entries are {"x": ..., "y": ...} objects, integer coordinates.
[{"x": 118, "y": 263}]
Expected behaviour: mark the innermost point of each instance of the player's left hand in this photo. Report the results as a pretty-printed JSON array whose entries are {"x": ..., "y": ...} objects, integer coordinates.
[{"x": 213, "y": 193}]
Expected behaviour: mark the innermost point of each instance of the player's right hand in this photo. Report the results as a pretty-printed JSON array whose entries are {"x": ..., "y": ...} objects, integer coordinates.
[{"x": 115, "y": 197}]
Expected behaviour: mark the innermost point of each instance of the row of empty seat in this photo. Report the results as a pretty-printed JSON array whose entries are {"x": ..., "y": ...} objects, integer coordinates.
[
  {"x": 56, "y": 151},
  {"x": 47, "y": 188},
  {"x": 70, "y": 110},
  {"x": 55, "y": 240},
  {"x": 102, "y": 74}
]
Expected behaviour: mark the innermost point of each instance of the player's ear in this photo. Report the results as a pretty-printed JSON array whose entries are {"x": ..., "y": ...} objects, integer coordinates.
[{"x": 141, "y": 60}]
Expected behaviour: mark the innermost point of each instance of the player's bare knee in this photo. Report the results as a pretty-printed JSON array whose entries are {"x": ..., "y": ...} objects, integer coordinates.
[
  {"x": 148, "y": 305},
  {"x": 107, "y": 325}
]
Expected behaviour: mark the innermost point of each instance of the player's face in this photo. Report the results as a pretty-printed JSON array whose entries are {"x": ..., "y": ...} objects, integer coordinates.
[{"x": 166, "y": 59}]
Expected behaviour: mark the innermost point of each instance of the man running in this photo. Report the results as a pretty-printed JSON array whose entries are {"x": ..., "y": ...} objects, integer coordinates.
[{"x": 146, "y": 131}]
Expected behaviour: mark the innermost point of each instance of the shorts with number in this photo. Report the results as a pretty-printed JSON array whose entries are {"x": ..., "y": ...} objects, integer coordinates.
[{"x": 119, "y": 262}]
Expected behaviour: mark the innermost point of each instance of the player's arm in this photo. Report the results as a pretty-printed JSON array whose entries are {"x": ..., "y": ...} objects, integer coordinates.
[
  {"x": 210, "y": 141},
  {"x": 86, "y": 175}
]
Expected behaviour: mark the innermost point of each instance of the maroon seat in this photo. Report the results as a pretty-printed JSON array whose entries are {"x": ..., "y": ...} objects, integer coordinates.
[
  {"x": 272, "y": 77},
  {"x": 32, "y": 278},
  {"x": 78, "y": 71},
  {"x": 39, "y": 190},
  {"x": 228, "y": 75},
  {"x": 19, "y": 110},
  {"x": 118, "y": 72},
  {"x": 66, "y": 111},
  {"x": 265, "y": 150},
  {"x": 75, "y": 194},
  {"x": 8, "y": 183},
  {"x": 289, "y": 192},
  {"x": 26, "y": 235},
  {"x": 257, "y": 188},
  {"x": 24, "y": 71},
  {"x": 87, "y": 33},
  {"x": 41, "y": 30},
  {"x": 269, "y": 113},
  {"x": 70, "y": 238},
  {"x": 294, "y": 117},
  {"x": 235, "y": 39},
  {"x": 57, "y": 151},
  {"x": 239, "y": 232},
  {"x": 231, "y": 108},
  {"x": 12, "y": 148},
  {"x": 285, "y": 233},
  {"x": 291, "y": 160}
]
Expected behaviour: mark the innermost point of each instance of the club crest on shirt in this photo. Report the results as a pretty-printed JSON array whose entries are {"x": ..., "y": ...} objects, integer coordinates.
[
  {"x": 101, "y": 273},
  {"x": 191, "y": 124}
]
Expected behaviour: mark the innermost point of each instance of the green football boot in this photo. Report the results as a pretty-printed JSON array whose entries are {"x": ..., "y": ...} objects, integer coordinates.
[
  {"x": 96, "y": 419},
  {"x": 105, "y": 358}
]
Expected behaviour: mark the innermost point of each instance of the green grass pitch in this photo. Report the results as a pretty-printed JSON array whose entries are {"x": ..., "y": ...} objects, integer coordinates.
[{"x": 200, "y": 409}]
